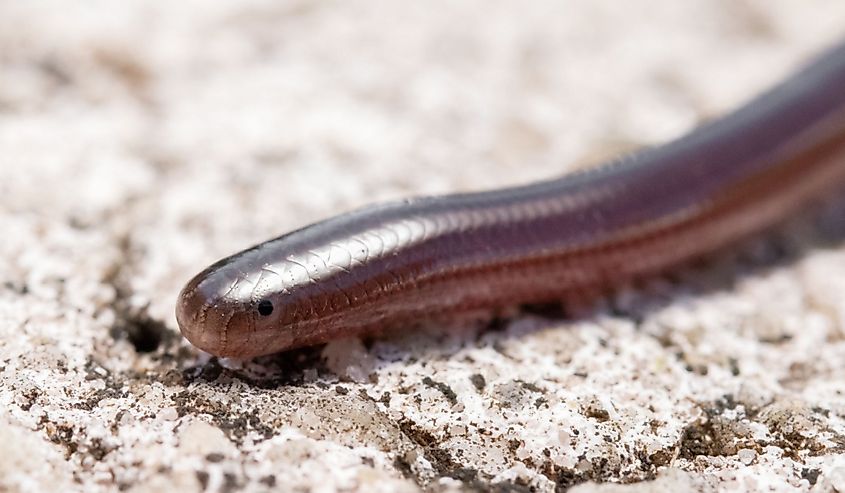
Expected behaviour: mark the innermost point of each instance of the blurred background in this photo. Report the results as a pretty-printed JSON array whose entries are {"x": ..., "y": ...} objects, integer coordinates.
[{"x": 140, "y": 141}]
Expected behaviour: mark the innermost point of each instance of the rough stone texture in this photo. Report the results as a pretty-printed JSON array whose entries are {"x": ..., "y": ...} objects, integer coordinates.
[{"x": 140, "y": 141}]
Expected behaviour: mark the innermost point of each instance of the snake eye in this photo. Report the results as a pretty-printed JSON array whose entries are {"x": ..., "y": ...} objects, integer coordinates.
[{"x": 265, "y": 308}]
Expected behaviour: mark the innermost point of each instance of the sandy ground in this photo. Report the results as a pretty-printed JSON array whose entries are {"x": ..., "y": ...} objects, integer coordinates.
[{"x": 140, "y": 141}]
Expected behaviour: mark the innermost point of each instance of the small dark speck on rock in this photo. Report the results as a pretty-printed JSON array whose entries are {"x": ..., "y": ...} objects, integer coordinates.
[
  {"x": 820, "y": 410},
  {"x": 478, "y": 381},
  {"x": 734, "y": 366},
  {"x": 811, "y": 475},
  {"x": 341, "y": 390},
  {"x": 444, "y": 389},
  {"x": 202, "y": 477},
  {"x": 596, "y": 413},
  {"x": 230, "y": 483},
  {"x": 214, "y": 457},
  {"x": 530, "y": 386}
]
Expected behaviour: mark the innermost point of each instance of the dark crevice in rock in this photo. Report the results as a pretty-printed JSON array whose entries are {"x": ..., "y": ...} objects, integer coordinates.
[
  {"x": 440, "y": 459},
  {"x": 446, "y": 466},
  {"x": 719, "y": 434},
  {"x": 134, "y": 323}
]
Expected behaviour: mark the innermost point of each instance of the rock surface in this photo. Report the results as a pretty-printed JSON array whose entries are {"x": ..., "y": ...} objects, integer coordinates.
[{"x": 140, "y": 141}]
